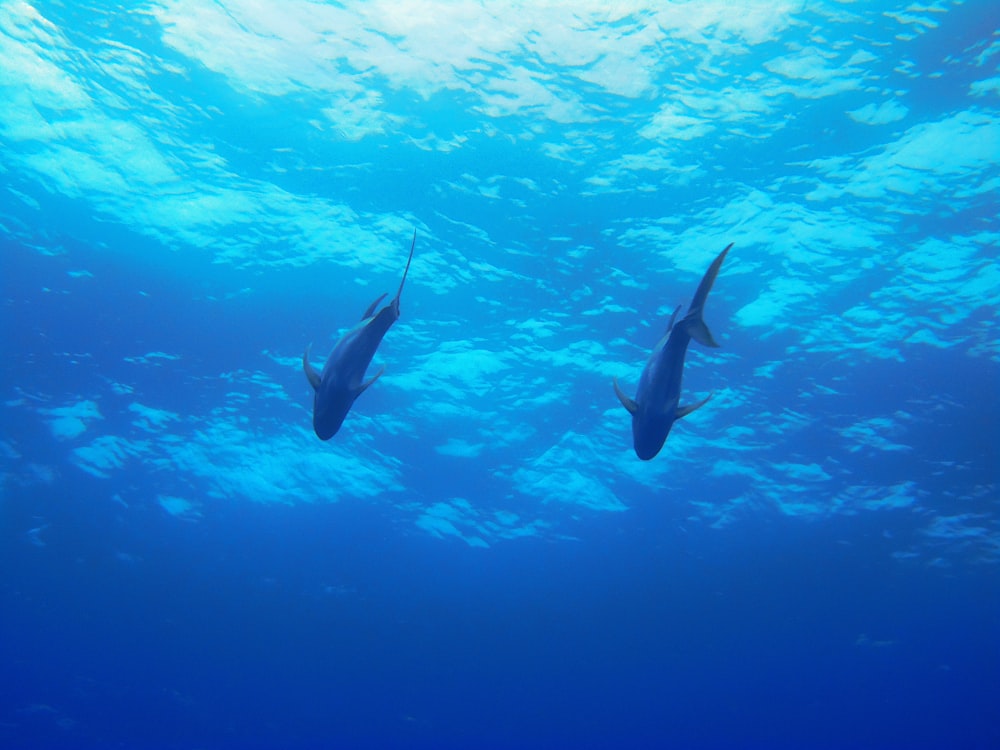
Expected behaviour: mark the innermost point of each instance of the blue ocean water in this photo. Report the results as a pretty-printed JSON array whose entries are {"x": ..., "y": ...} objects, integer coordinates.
[{"x": 193, "y": 192}]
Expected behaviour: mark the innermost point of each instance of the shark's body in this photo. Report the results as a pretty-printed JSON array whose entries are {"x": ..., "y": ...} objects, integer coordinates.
[
  {"x": 342, "y": 379},
  {"x": 656, "y": 405}
]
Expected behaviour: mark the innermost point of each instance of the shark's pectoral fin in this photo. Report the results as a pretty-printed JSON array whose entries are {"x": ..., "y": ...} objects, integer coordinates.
[
  {"x": 700, "y": 333},
  {"x": 627, "y": 402},
  {"x": 310, "y": 371},
  {"x": 364, "y": 386},
  {"x": 371, "y": 308},
  {"x": 683, "y": 411}
]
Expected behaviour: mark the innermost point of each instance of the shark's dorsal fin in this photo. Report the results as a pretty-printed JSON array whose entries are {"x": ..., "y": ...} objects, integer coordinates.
[
  {"x": 364, "y": 386},
  {"x": 311, "y": 374},
  {"x": 670, "y": 325},
  {"x": 371, "y": 308},
  {"x": 683, "y": 411},
  {"x": 627, "y": 402}
]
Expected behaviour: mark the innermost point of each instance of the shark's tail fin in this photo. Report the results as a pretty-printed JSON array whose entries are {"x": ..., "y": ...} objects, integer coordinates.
[
  {"x": 406, "y": 270},
  {"x": 694, "y": 321},
  {"x": 699, "y": 332}
]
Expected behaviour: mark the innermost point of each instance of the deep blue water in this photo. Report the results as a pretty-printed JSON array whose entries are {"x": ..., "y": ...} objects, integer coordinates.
[{"x": 192, "y": 193}]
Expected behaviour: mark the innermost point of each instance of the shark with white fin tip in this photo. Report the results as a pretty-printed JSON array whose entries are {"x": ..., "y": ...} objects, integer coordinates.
[
  {"x": 656, "y": 405},
  {"x": 342, "y": 379}
]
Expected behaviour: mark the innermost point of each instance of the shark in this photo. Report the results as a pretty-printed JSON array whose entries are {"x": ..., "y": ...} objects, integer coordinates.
[
  {"x": 656, "y": 405},
  {"x": 342, "y": 380}
]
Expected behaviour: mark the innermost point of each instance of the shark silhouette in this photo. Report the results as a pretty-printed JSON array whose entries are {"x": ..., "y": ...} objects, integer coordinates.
[
  {"x": 656, "y": 405},
  {"x": 342, "y": 379}
]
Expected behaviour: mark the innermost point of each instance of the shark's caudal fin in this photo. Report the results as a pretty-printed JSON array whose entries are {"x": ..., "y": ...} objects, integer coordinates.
[
  {"x": 406, "y": 270},
  {"x": 693, "y": 320},
  {"x": 310, "y": 371},
  {"x": 700, "y": 333}
]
